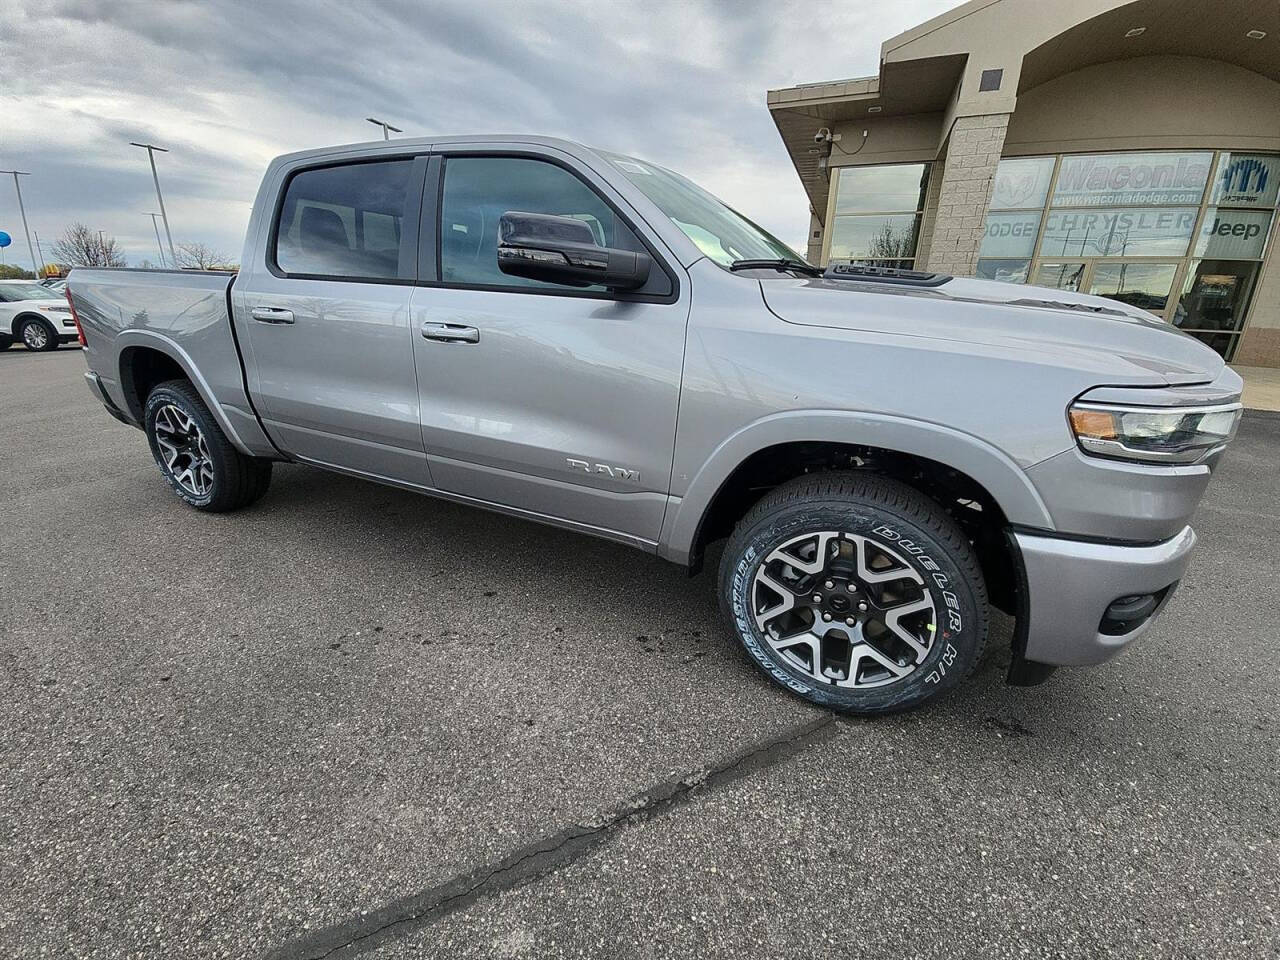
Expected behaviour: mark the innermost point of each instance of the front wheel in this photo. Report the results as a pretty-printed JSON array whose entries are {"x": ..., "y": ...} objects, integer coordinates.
[
  {"x": 855, "y": 592},
  {"x": 195, "y": 456},
  {"x": 38, "y": 335}
]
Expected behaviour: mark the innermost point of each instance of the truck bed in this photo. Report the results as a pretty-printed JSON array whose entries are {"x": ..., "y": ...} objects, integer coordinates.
[{"x": 185, "y": 314}]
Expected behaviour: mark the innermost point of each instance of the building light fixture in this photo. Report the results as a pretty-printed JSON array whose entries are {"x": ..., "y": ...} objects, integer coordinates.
[
  {"x": 1135, "y": 32},
  {"x": 1256, "y": 34}
]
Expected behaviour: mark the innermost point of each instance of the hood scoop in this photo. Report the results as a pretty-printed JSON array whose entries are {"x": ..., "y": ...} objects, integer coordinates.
[{"x": 867, "y": 273}]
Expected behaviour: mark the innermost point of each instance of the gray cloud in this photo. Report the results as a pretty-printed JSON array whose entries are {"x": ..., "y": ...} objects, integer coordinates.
[{"x": 227, "y": 84}]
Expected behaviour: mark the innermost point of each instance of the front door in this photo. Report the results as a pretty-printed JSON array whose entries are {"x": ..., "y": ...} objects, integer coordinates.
[
  {"x": 554, "y": 400},
  {"x": 325, "y": 320}
]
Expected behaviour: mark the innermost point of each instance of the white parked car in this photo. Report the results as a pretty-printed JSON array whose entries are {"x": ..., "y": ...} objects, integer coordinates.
[{"x": 37, "y": 315}]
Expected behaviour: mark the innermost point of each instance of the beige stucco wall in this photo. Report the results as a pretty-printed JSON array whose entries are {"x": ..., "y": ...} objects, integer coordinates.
[
  {"x": 1148, "y": 103},
  {"x": 908, "y": 139}
]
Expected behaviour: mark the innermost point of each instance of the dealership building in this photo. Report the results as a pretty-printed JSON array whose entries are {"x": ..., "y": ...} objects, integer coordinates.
[{"x": 1130, "y": 150}]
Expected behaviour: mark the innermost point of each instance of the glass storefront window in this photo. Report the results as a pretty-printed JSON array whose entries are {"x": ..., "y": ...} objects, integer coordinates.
[
  {"x": 1010, "y": 234},
  {"x": 898, "y": 187},
  {"x": 1214, "y": 294},
  {"x": 884, "y": 237},
  {"x": 1006, "y": 271},
  {"x": 1233, "y": 234},
  {"x": 1145, "y": 285},
  {"x": 1246, "y": 180},
  {"x": 1119, "y": 232},
  {"x": 1131, "y": 179},
  {"x": 1060, "y": 276},
  {"x": 1021, "y": 183},
  {"x": 877, "y": 213},
  {"x": 1124, "y": 226}
]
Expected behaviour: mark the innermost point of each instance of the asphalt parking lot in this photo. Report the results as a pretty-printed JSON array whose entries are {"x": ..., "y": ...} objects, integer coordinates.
[{"x": 354, "y": 721}]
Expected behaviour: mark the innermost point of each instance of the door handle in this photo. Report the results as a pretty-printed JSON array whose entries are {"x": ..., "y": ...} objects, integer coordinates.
[
  {"x": 272, "y": 314},
  {"x": 450, "y": 333}
]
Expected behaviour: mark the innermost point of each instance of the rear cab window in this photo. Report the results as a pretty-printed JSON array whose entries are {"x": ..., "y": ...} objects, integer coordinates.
[{"x": 347, "y": 221}]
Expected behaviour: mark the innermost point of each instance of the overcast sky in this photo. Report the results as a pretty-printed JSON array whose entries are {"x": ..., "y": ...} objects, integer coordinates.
[{"x": 227, "y": 85}]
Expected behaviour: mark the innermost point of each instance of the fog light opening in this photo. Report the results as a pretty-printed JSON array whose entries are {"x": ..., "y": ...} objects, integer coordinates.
[{"x": 1127, "y": 613}]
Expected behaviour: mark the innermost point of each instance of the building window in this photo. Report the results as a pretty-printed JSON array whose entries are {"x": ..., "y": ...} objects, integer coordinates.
[
  {"x": 1017, "y": 207},
  {"x": 1179, "y": 233},
  {"x": 876, "y": 218}
]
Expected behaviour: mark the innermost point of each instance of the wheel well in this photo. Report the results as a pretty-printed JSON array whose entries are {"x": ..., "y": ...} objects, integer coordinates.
[
  {"x": 141, "y": 368},
  {"x": 956, "y": 493},
  {"x": 23, "y": 317}
]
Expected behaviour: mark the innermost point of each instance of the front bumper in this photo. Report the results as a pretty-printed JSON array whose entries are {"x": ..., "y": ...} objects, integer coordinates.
[{"x": 1070, "y": 584}]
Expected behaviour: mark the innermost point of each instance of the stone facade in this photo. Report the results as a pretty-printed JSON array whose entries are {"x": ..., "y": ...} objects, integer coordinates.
[{"x": 964, "y": 190}]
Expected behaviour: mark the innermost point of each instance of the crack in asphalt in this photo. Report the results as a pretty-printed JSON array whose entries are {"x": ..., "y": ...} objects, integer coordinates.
[{"x": 546, "y": 854}]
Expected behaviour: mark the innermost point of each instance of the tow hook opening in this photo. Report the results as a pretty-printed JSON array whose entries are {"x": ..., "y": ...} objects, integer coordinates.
[{"x": 1127, "y": 613}]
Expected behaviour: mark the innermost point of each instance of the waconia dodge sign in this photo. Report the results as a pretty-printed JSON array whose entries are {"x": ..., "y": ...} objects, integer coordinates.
[{"x": 1105, "y": 180}]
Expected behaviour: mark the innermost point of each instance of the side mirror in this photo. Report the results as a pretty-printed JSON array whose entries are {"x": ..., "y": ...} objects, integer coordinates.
[{"x": 563, "y": 250}]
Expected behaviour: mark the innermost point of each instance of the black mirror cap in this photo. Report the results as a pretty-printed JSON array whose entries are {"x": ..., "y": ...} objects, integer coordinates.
[{"x": 540, "y": 246}]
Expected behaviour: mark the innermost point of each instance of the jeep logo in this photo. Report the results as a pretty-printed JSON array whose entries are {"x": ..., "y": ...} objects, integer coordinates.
[{"x": 603, "y": 469}]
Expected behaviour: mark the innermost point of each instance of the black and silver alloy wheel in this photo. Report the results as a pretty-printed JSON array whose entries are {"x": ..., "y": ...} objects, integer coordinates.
[
  {"x": 844, "y": 608},
  {"x": 37, "y": 335},
  {"x": 201, "y": 465},
  {"x": 185, "y": 453},
  {"x": 856, "y": 592}
]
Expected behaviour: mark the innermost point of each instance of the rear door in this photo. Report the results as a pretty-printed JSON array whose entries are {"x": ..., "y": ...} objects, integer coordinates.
[
  {"x": 324, "y": 318},
  {"x": 556, "y": 400}
]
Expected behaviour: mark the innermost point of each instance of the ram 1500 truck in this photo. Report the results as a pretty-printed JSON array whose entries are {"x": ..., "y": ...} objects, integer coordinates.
[{"x": 590, "y": 340}]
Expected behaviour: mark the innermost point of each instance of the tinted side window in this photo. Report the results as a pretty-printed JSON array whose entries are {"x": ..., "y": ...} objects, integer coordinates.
[
  {"x": 346, "y": 221},
  {"x": 479, "y": 190}
]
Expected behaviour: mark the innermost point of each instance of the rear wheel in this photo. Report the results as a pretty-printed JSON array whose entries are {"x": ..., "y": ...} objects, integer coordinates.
[
  {"x": 38, "y": 335},
  {"x": 195, "y": 456},
  {"x": 856, "y": 592}
]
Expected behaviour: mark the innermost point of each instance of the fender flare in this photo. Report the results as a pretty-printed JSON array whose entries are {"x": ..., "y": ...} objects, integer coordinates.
[
  {"x": 989, "y": 466},
  {"x": 153, "y": 340}
]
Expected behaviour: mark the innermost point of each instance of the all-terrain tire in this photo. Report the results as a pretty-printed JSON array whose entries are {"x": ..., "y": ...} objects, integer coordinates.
[
  {"x": 237, "y": 480},
  {"x": 865, "y": 524}
]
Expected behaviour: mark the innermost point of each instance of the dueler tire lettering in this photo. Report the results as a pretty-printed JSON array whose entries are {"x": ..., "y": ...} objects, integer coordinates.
[{"x": 856, "y": 592}]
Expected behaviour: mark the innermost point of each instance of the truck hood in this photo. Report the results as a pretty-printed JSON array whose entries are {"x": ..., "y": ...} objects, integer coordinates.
[{"x": 1103, "y": 336}]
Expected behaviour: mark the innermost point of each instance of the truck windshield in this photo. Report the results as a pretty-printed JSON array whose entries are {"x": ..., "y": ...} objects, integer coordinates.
[{"x": 719, "y": 231}]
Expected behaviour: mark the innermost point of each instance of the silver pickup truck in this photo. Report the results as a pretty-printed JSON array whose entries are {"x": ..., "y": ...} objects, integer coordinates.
[{"x": 590, "y": 340}]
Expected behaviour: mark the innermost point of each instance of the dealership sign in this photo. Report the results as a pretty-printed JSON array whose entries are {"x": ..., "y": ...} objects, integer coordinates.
[
  {"x": 1234, "y": 234},
  {"x": 1245, "y": 180},
  {"x": 1153, "y": 232},
  {"x": 1132, "y": 178}
]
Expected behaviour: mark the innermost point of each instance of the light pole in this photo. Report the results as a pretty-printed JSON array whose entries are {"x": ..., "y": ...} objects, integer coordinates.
[
  {"x": 39, "y": 253},
  {"x": 385, "y": 127},
  {"x": 18, "y": 187},
  {"x": 150, "y": 148},
  {"x": 156, "y": 227}
]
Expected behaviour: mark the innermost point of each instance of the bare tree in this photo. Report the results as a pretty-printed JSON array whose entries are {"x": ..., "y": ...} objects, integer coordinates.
[
  {"x": 198, "y": 256},
  {"x": 81, "y": 247},
  {"x": 891, "y": 244}
]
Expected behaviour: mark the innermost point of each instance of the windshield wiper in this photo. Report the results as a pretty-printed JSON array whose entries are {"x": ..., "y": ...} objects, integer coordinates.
[{"x": 782, "y": 263}]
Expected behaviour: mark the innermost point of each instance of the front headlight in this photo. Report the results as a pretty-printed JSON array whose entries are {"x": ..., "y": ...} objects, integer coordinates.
[{"x": 1153, "y": 434}]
